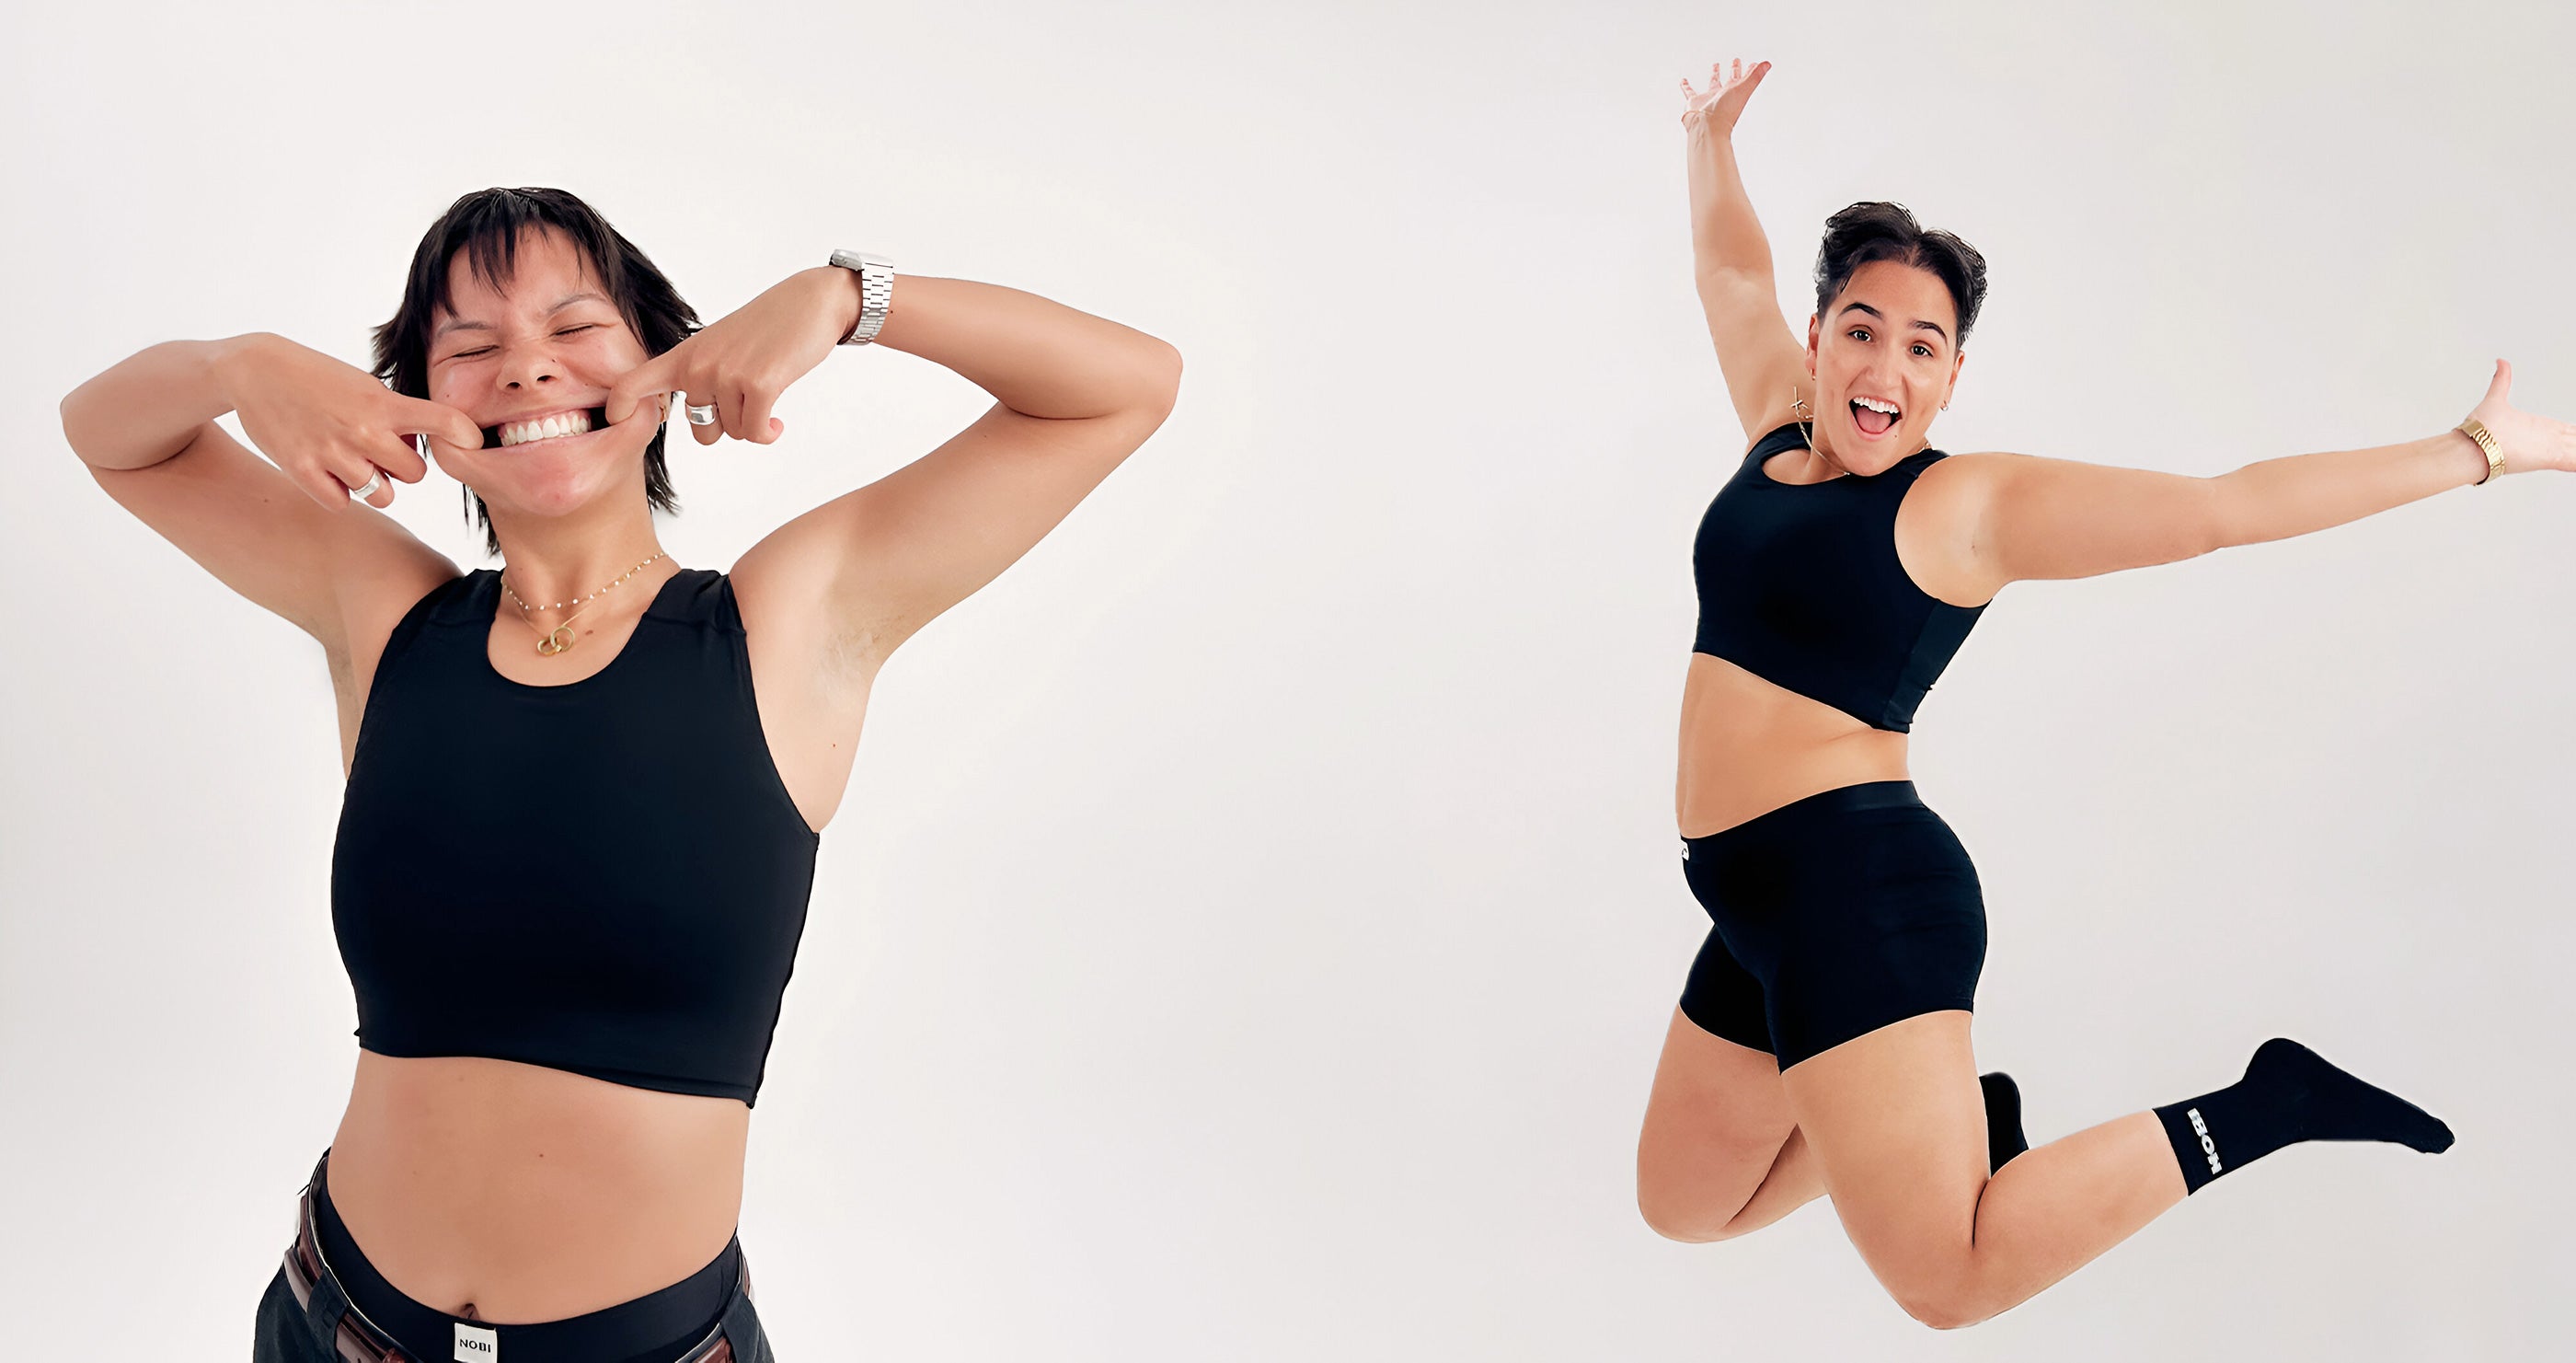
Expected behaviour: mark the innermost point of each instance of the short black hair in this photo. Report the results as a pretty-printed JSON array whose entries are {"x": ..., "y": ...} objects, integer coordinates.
[
  {"x": 1867, "y": 232},
  {"x": 485, "y": 225}
]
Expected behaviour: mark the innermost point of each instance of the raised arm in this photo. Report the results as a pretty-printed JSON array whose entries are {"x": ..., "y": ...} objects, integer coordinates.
[
  {"x": 1761, "y": 357},
  {"x": 2021, "y": 517},
  {"x": 1073, "y": 395},
  {"x": 285, "y": 535}
]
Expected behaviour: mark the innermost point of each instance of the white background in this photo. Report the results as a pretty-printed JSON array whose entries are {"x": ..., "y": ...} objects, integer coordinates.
[{"x": 1253, "y": 919}]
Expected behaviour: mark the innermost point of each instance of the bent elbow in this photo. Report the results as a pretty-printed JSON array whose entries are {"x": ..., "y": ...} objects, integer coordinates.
[
  {"x": 1682, "y": 1230},
  {"x": 1163, "y": 376},
  {"x": 73, "y": 412}
]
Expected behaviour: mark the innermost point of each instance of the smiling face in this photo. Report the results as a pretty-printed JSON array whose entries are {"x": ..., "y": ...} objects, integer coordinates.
[
  {"x": 534, "y": 354},
  {"x": 1884, "y": 357}
]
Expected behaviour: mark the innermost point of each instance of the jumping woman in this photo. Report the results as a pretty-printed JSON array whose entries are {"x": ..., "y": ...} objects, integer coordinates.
[
  {"x": 584, "y": 789},
  {"x": 1821, "y": 1043}
]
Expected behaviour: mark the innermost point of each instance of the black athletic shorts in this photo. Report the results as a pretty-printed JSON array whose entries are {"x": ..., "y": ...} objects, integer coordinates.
[{"x": 1831, "y": 917}]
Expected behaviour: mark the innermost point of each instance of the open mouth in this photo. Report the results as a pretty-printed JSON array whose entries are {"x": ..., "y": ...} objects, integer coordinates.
[
  {"x": 511, "y": 434},
  {"x": 1873, "y": 416}
]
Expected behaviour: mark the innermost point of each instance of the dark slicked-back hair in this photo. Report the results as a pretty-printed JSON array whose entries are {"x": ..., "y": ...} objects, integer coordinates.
[
  {"x": 1866, "y": 232},
  {"x": 486, "y": 226}
]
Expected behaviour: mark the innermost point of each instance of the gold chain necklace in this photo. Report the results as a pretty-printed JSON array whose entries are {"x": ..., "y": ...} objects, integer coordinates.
[{"x": 561, "y": 637}]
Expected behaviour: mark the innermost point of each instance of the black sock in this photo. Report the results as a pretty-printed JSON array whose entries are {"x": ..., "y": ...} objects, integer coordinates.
[
  {"x": 2289, "y": 1094},
  {"x": 2003, "y": 1119}
]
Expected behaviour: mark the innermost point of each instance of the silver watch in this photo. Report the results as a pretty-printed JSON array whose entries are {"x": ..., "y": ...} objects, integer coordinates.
[{"x": 876, "y": 292}]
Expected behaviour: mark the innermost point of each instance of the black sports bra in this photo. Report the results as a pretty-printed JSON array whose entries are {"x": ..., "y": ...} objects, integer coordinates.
[
  {"x": 1799, "y": 584},
  {"x": 606, "y": 877}
]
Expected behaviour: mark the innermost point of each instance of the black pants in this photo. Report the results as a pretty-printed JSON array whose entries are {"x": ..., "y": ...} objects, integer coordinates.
[{"x": 289, "y": 1333}]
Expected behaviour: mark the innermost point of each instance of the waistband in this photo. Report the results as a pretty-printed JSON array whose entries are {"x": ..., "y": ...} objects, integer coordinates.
[
  {"x": 1823, "y": 804},
  {"x": 682, "y": 1323}
]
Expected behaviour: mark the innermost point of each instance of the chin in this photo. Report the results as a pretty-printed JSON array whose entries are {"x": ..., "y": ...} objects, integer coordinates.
[
  {"x": 543, "y": 499},
  {"x": 1868, "y": 455}
]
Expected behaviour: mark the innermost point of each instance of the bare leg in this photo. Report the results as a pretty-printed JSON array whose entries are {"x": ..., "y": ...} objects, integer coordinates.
[
  {"x": 1897, "y": 1122},
  {"x": 1720, "y": 1154}
]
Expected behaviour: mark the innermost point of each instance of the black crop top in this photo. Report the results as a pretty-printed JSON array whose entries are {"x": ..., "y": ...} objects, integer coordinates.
[
  {"x": 1799, "y": 584},
  {"x": 606, "y": 877}
]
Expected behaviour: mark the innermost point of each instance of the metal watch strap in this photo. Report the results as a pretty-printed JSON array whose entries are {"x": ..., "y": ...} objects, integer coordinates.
[
  {"x": 876, "y": 292},
  {"x": 2477, "y": 430}
]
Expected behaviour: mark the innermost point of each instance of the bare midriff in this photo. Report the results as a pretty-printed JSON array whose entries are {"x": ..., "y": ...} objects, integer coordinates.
[
  {"x": 1750, "y": 746},
  {"x": 532, "y": 1194}
]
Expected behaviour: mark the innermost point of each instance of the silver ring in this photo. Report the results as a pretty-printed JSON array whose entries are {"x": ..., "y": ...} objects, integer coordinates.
[
  {"x": 375, "y": 484},
  {"x": 701, "y": 416}
]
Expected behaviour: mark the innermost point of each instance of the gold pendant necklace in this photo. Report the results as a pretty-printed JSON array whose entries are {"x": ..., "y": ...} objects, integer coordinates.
[{"x": 562, "y": 637}]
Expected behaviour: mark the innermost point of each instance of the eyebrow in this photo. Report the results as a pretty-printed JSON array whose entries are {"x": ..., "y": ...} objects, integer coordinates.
[
  {"x": 1933, "y": 327},
  {"x": 460, "y": 324}
]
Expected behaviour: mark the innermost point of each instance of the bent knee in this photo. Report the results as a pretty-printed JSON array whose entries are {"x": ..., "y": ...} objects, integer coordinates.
[{"x": 1690, "y": 1222}]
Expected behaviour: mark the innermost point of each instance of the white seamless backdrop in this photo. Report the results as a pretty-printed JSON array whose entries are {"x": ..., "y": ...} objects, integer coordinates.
[{"x": 1253, "y": 919}]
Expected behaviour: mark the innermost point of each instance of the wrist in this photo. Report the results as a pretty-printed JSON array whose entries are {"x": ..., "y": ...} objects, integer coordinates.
[
  {"x": 224, "y": 361},
  {"x": 873, "y": 276},
  {"x": 839, "y": 292},
  {"x": 2481, "y": 442}
]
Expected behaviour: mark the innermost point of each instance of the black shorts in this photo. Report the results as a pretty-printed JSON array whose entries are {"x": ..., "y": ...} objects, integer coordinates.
[{"x": 1832, "y": 916}]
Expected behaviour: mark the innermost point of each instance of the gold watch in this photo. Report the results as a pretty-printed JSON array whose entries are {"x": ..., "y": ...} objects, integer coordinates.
[{"x": 2477, "y": 430}]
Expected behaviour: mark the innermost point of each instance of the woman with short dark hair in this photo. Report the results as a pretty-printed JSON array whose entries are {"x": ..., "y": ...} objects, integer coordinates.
[
  {"x": 1821, "y": 1042},
  {"x": 585, "y": 789}
]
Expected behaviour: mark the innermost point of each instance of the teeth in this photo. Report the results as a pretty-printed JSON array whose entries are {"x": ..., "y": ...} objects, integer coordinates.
[
  {"x": 1876, "y": 405},
  {"x": 546, "y": 428}
]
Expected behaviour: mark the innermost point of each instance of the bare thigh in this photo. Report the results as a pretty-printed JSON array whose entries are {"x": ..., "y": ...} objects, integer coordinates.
[
  {"x": 1718, "y": 1126},
  {"x": 1897, "y": 1125}
]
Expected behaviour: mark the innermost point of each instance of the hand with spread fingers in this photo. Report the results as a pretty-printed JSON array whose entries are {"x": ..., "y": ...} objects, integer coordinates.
[
  {"x": 729, "y": 375},
  {"x": 330, "y": 426},
  {"x": 1715, "y": 109}
]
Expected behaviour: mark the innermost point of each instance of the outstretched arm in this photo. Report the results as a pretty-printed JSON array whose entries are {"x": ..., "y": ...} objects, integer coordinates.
[
  {"x": 2031, "y": 518},
  {"x": 1731, "y": 260}
]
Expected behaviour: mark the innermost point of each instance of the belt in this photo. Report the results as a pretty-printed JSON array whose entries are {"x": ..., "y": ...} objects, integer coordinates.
[{"x": 359, "y": 1341}]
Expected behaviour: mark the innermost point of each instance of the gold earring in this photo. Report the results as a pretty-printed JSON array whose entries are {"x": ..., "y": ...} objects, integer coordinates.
[{"x": 1798, "y": 405}]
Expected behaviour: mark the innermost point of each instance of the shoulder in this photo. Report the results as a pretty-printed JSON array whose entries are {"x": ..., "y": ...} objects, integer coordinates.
[
  {"x": 792, "y": 610},
  {"x": 1952, "y": 491},
  {"x": 1781, "y": 435},
  {"x": 1944, "y": 475},
  {"x": 394, "y": 600},
  {"x": 396, "y": 590},
  {"x": 1941, "y": 525},
  {"x": 450, "y": 600},
  {"x": 698, "y": 596}
]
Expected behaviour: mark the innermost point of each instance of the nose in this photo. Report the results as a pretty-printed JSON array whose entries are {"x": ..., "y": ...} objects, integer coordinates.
[{"x": 527, "y": 368}]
